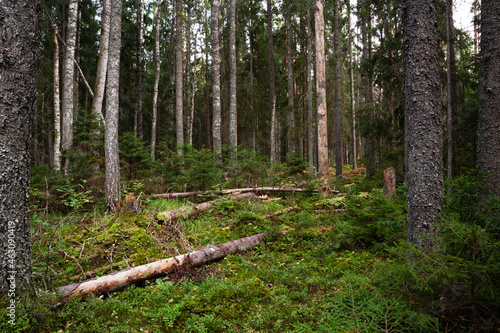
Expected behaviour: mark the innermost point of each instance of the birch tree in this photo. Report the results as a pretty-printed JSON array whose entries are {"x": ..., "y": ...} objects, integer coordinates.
[
  {"x": 423, "y": 127},
  {"x": 102, "y": 63},
  {"x": 156, "y": 62},
  {"x": 321, "y": 94},
  {"x": 112, "y": 110},
  {"x": 20, "y": 35},
  {"x": 138, "y": 127},
  {"x": 272, "y": 93},
  {"x": 216, "y": 127},
  {"x": 233, "y": 124},
  {"x": 179, "y": 118},
  {"x": 57, "y": 107},
  {"x": 68, "y": 84}
]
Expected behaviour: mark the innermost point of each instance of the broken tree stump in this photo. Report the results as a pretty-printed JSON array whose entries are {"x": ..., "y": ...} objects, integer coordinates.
[
  {"x": 389, "y": 182},
  {"x": 124, "y": 278}
]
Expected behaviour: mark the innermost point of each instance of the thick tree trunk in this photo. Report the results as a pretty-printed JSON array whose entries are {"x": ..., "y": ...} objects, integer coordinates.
[
  {"x": 290, "y": 88},
  {"x": 102, "y": 63},
  {"x": 321, "y": 95},
  {"x": 423, "y": 127},
  {"x": 338, "y": 111},
  {"x": 112, "y": 110},
  {"x": 233, "y": 123},
  {"x": 155, "y": 89},
  {"x": 179, "y": 117},
  {"x": 20, "y": 35},
  {"x": 138, "y": 127},
  {"x": 272, "y": 93},
  {"x": 351, "y": 79},
  {"x": 310, "y": 119},
  {"x": 69, "y": 70},
  {"x": 488, "y": 147},
  {"x": 57, "y": 107},
  {"x": 216, "y": 127}
]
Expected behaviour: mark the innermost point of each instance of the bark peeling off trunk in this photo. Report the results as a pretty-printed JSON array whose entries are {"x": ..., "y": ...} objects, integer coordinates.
[{"x": 117, "y": 281}]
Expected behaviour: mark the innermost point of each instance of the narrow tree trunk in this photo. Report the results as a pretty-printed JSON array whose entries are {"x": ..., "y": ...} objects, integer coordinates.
[
  {"x": 233, "y": 123},
  {"x": 272, "y": 94},
  {"x": 112, "y": 110},
  {"x": 321, "y": 95},
  {"x": 351, "y": 78},
  {"x": 290, "y": 91},
  {"x": 138, "y": 127},
  {"x": 310, "y": 119},
  {"x": 449, "y": 21},
  {"x": 338, "y": 111},
  {"x": 76, "y": 81},
  {"x": 189, "y": 84},
  {"x": 488, "y": 147},
  {"x": 423, "y": 128},
  {"x": 20, "y": 35},
  {"x": 179, "y": 117},
  {"x": 102, "y": 63},
  {"x": 192, "y": 95},
  {"x": 57, "y": 107},
  {"x": 216, "y": 102},
  {"x": 69, "y": 70},
  {"x": 155, "y": 89}
]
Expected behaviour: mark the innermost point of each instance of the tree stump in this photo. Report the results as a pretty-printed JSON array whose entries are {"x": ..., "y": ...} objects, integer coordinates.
[{"x": 389, "y": 182}]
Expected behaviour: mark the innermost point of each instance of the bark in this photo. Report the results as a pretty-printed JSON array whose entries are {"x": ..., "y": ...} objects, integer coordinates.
[
  {"x": 157, "y": 80},
  {"x": 488, "y": 147},
  {"x": 323, "y": 163},
  {"x": 338, "y": 111},
  {"x": 452, "y": 116},
  {"x": 272, "y": 93},
  {"x": 351, "y": 79},
  {"x": 102, "y": 63},
  {"x": 76, "y": 82},
  {"x": 68, "y": 73},
  {"x": 233, "y": 123},
  {"x": 138, "y": 124},
  {"x": 255, "y": 190},
  {"x": 310, "y": 119},
  {"x": 179, "y": 117},
  {"x": 175, "y": 215},
  {"x": 216, "y": 102},
  {"x": 423, "y": 128},
  {"x": 112, "y": 163},
  {"x": 390, "y": 182},
  {"x": 57, "y": 107},
  {"x": 20, "y": 35},
  {"x": 189, "y": 84},
  {"x": 290, "y": 92},
  {"x": 117, "y": 281}
]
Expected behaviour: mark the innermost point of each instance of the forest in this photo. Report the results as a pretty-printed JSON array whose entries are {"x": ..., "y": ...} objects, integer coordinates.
[{"x": 249, "y": 166}]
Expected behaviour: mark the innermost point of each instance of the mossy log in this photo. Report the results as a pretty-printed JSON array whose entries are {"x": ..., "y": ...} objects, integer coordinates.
[
  {"x": 230, "y": 191},
  {"x": 120, "y": 280},
  {"x": 174, "y": 215}
]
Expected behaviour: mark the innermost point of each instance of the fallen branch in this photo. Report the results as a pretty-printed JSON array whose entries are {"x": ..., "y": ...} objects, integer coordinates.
[
  {"x": 119, "y": 280},
  {"x": 230, "y": 191},
  {"x": 174, "y": 215}
]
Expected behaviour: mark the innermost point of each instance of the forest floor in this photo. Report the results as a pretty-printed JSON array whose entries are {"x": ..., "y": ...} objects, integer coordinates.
[{"x": 338, "y": 263}]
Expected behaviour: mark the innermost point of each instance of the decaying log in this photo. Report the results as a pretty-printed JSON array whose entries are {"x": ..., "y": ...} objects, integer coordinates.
[
  {"x": 119, "y": 280},
  {"x": 174, "y": 215},
  {"x": 230, "y": 191}
]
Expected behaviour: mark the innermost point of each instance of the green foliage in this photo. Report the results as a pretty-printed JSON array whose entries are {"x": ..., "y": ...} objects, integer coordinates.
[{"x": 134, "y": 156}]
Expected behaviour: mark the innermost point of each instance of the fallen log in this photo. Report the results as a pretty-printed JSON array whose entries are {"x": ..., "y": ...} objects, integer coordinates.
[
  {"x": 230, "y": 191},
  {"x": 119, "y": 280},
  {"x": 174, "y": 215}
]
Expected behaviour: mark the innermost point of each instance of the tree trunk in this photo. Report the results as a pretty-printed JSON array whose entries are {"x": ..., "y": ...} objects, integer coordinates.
[
  {"x": 153, "y": 270},
  {"x": 189, "y": 84},
  {"x": 321, "y": 95},
  {"x": 138, "y": 127},
  {"x": 76, "y": 82},
  {"x": 69, "y": 70},
  {"x": 272, "y": 94},
  {"x": 423, "y": 127},
  {"x": 310, "y": 119},
  {"x": 102, "y": 63},
  {"x": 179, "y": 117},
  {"x": 20, "y": 35},
  {"x": 338, "y": 111},
  {"x": 57, "y": 107},
  {"x": 351, "y": 79},
  {"x": 488, "y": 147},
  {"x": 290, "y": 90},
  {"x": 112, "y": 110},
  {"x": 233, "y": 123},
  {"x": 157, "y": 80},
  {"x": 216, "y": 127},
  {"x": 389, "y": 182}
]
